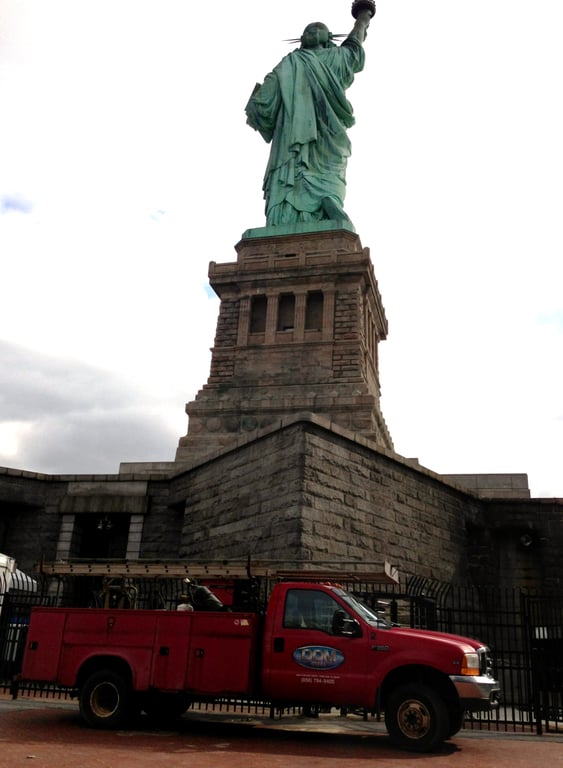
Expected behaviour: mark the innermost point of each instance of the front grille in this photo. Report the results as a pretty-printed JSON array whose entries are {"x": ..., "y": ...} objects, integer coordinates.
[{"x": 485, "y": 662}]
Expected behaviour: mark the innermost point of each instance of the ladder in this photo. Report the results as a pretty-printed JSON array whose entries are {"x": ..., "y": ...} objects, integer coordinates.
[{"x": 320, "y": 571}]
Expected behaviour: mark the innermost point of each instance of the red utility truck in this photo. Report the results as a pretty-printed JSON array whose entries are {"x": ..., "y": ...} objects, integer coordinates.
[{"x": 315, "y": 646}]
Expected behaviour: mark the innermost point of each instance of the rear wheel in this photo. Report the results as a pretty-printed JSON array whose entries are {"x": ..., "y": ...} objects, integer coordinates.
[
  {"x": 416, "y": 718},
  {"x": 106, "y": 699}
]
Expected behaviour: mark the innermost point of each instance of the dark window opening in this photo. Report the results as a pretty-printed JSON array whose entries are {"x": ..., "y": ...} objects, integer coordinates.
[
  {"x": 286, "y": 312},
  {"x": 97, "y": 536},
  {"x": 314, "y": 311},
  {"x": 258, "y": 307},
  {"x": 100, "y": 536}
]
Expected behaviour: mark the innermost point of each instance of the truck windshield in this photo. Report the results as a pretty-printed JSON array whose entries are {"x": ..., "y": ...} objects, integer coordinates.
[{"x": 362, "y": 610}]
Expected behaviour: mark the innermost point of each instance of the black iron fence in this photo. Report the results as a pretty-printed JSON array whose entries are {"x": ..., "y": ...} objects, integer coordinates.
[
  {"x": 544, "y": 627},
  {"x": 523, "y": 628}
]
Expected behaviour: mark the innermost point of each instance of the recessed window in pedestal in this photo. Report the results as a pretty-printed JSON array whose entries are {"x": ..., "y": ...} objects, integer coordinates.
[
  {"x": 314, "y": 311},
  {"x": 258, "y": 307},
  {"x": 286, "y": 312}
]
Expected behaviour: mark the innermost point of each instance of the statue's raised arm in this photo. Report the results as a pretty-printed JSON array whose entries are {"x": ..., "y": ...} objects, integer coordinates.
[
  {"x": 362, "y": 11},
  {"x": 301, "y": 108}
]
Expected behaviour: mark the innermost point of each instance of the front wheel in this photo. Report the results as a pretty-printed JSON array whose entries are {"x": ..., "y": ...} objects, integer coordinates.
[
  {"x": 416, "y": 718},
  {"x": 106, "y": 699},
  {"x": 457, "y": 719}
]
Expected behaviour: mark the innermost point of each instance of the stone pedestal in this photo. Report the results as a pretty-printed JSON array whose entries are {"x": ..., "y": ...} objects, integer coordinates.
[{"x": 299, "y": 325}]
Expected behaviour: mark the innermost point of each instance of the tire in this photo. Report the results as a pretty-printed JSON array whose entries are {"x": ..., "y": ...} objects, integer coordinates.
[
  {"x": 457, "y": 719},
  {"x": 416, "y": 718},
  {"x": 164, "y": 708},
  {"x": 106, "y": 700}
]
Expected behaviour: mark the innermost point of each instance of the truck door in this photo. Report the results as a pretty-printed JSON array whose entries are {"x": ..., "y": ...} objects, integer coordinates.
[{"x": 318, "y": 653}]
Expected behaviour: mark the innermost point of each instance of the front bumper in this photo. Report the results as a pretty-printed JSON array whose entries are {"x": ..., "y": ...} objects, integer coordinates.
[{"x": 477, "y": 693}]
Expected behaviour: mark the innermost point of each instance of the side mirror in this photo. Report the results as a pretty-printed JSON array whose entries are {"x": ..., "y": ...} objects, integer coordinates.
[{"x": 342, "y": 624}]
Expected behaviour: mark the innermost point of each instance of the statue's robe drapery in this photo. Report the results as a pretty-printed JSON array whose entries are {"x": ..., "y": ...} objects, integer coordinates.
[{"x": 301, "y": 108}]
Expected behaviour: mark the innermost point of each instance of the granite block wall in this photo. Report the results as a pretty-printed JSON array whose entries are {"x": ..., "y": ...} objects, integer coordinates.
[
  {"x": 361, "y": 504},
  {"x": 246, "y": 502},
  {"x": 306, "y": 493}
]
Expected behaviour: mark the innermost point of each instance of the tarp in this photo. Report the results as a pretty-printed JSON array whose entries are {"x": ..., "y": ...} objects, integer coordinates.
[
  {"x": 21, "y": 580},
  {"x": 12, "y": 578}
]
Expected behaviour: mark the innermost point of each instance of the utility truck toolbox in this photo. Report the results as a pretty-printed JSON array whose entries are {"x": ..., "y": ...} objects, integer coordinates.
[
  {"x": 162, "y": 650},
  {"x": 315, "y": 646}
]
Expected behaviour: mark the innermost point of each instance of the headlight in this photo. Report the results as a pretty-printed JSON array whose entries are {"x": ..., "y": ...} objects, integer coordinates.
[{"x": 470, "y": 664}]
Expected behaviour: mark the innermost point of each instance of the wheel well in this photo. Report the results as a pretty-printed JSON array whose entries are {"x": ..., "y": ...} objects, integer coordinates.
[
  {"x": 434, "y": 679},
  {"x": 115, "y": 664}
]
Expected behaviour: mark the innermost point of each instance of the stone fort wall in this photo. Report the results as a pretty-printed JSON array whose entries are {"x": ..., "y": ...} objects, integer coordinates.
[{"x": 310, "y": 494}]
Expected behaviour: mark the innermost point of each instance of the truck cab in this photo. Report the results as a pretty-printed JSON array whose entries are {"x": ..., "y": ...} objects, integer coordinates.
[{"x": 324, "y": 647}]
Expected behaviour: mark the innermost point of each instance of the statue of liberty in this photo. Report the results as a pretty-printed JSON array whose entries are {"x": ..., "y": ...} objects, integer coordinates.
[{"x": 302, "y": 110}]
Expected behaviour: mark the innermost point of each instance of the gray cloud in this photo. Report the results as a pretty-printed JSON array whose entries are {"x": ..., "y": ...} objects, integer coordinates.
[
  {"x": 83, "y": 419},
  {"x": 85, "y": 444},
  {"x": 33, "y": 385}
]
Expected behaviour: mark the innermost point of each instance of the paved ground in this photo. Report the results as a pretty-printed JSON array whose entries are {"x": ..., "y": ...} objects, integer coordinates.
[{"x": 40, "y": 734}]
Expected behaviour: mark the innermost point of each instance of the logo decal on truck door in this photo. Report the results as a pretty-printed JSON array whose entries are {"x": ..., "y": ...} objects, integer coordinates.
[{"x": 318, "y": 657}]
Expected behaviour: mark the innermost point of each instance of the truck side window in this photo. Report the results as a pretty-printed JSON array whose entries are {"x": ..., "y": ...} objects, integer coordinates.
[{"x": 309, "y": 609}]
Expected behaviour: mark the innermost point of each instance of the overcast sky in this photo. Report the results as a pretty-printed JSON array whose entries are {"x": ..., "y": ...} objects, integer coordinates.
[{"x": 126, "y": 166}]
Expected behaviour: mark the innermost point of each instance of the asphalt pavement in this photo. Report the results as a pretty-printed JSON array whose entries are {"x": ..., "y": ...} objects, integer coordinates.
[{"x": 39, "y": 733}]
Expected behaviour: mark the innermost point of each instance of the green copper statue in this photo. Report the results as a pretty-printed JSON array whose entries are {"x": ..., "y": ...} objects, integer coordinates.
[{"x": 301, "y": 108}]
